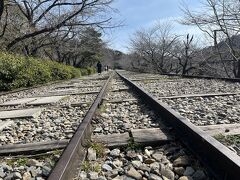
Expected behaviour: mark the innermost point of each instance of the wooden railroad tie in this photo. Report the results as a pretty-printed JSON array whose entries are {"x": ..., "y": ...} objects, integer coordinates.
[{"x": 150, "y": 136}]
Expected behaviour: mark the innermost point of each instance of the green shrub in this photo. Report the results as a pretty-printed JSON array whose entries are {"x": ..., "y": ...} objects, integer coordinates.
[
  {"x": 88, "y": 71},
  {"x": 75, "y": 72},
  {"x": 84, "y": 72},
  {"x": 34, "y": 72},
  {"x": 91, "y": 70},
  {"x": 10, "y": 67},
  {"x": 60, "y": 71},
  {"x": 18, "y": 71}
]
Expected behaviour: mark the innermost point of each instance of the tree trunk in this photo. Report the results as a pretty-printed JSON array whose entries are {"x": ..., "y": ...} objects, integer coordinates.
[
  {"x": 238, "y": 69},
  {"x": 1, "y": 7}
]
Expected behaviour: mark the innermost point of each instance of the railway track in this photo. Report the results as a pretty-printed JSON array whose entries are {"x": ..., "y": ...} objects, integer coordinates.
[
  {"x": 118, "y": 130},
  {"x": 210, "y": 104},
  {"x": 36, "y": 124}
]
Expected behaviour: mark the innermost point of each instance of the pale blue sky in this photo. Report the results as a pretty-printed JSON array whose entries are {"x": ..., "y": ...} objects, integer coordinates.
[{"x": 138, "y": 14}]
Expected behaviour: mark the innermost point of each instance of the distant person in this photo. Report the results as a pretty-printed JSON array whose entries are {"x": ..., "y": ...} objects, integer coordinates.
[
  {"x": 106, "y": 68},
  {"x": 99, "y": 67}
]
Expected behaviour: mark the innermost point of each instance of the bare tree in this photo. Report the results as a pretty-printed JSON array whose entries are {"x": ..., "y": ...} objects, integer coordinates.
[
  {"x": 219, "y": 16},
  {"x": 153, "y": 46},
  {"x": 185, "y": 51}
]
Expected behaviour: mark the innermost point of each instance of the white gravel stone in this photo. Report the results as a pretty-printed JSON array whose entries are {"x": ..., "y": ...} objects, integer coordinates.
[
  {"x": 106, "y": 167},
  {"x": 132, "y": 172},
  {"x": 93, "y": 175},
  {"x": 92, "y": 155},
  {"x": 115, "y": 152},
  {"x": 26, "y": 176}
]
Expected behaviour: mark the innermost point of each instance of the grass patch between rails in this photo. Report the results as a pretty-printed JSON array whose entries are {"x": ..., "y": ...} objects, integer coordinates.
[
  {"x": 134, "y": 146},
  {"x": 89, "y": 166},
  {"x": 101, "y": 109},
  {"x": 98, "y": 147},
  {"x": 50, "y": 158},
  {"x": 20, "y": 162}
]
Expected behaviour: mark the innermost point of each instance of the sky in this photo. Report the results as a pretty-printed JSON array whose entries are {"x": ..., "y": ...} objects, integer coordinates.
[{"x": 138, "y": 14}]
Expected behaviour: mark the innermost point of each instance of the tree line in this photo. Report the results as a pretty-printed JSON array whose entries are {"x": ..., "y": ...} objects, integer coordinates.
[{"x": 68, "y": 31}]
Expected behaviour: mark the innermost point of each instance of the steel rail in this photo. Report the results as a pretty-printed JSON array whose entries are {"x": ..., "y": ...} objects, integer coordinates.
[
  {"x": 75, "y": 152},
  {"x": 220, "y": 161},
  {"x": 205, "y": 77}
]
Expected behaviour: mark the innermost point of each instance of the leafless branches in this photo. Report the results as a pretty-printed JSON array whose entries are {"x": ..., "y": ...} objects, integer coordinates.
[
  {"x": 153, "y": 46},
  {"x": 48, "y": 16},
  {"x": 219, "y": 16}
]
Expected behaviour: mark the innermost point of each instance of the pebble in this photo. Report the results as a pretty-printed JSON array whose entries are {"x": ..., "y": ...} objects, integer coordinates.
[
  {"x": 17, "y": 175},
  {"x": 5, "y": 167},
  {"x": 92, "y": 155},
  {"x": 98, "y": 130},
  {"x": 46, "y": 170},
  {"x": 92, "y": 175},
  {"x": 145, "y": 167},
  {"x": 199, "y": 175},
  {"x": 101, "y": 178},
  {"x": 26, "y": 176},
  {"x": 131, "y": 154},
  {"x": 83, "y": 175},
  {"x": 179, "y": 170},
  {"x": 140, "y": 158},
  {"x": 158, "y": 156},
  {"x": 149, "y": 161},
  {"x": 189, "y": 171},
  {"x": 155, "y": 166},
  {"x": 154, "y": 177},
  {"x": 185, "y": 178},
  {"x": 39, "y": 178},
  {"x": 9, "y": 177},
  {"x": 136, "y": 164},
  {"x": 2, "y": 174},
  {"x": 33, "y": 162},
  {"x": 117, "y": 163},
  {"x": 115, "y": 152},
  {"x": 106, "y": 167},
  {"x": 134, "y": 173},
  {"x": 118, "y": 178},
  {"x": 182, "y": 161},
  {"x": 167, "y": 173},
  {"x": 33, "y": 170},
  {"x": 147, "y": 152}
]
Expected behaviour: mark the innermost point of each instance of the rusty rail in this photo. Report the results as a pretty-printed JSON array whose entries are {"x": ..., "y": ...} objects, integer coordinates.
[{"x": 75, "y": 152}]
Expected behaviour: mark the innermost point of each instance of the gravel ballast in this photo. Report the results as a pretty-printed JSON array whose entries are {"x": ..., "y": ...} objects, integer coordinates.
[{"x": 208, "y": 110}]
